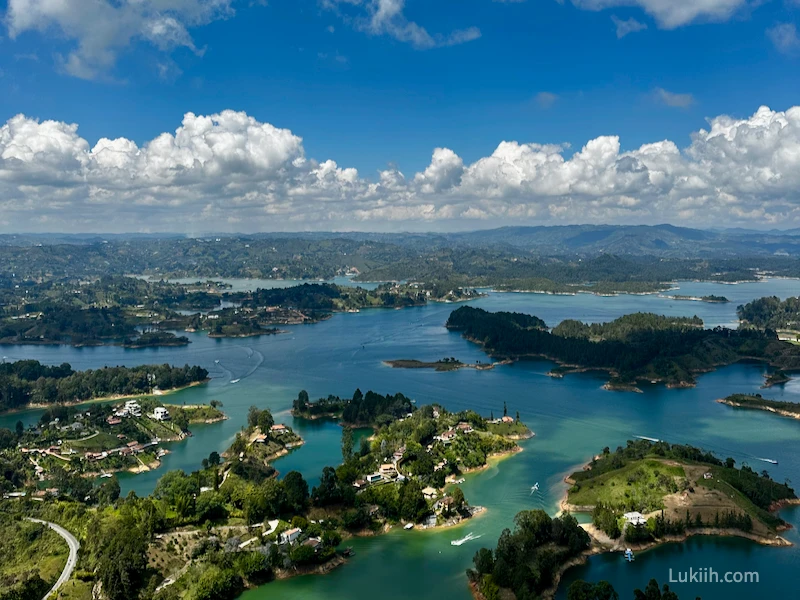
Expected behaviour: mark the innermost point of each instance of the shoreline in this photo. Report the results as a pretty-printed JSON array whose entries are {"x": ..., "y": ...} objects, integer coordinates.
[
  {"x": 777, "y": 411},
  {"x": 114, "y": 398}
]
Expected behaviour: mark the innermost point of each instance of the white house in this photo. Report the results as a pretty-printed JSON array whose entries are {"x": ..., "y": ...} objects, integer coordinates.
[
  {"x": 634, "y": 518},
  {"x": 133, "y": 408},
  {"x": 290, "y": 535},
  {"x": 160, "y": 414}
]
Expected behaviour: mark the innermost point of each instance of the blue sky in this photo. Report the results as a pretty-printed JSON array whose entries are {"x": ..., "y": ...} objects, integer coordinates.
[{"x": 377, "y": 93}]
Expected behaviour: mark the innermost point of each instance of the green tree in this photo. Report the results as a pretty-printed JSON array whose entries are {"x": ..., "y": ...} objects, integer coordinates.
[
  {"x": 123, "y": 563},
  {"x": 265, "y": 421},
  {"x": 296, "y": 490},
  {"x": 214, "y": 459},
  {"x": 347, "y": 443}
]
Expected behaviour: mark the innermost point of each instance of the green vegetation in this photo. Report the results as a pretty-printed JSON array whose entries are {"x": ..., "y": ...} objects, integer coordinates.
[
  {"x": 757, "y": 402},
  {"x": 602, "y": 590},
  {"x": 153, "y": 339},
  {"x": 771, "y": 313},
  {"x": 29, "y": 382},
  {"x": 367, "y": 410},
  {"x": 639, "y": 485},
  {"x": 691, "y": 489},
  {"x": 634, "y": 347},
  {"x": 32, "y": 559},
  {"x": 529, "y": 560}
]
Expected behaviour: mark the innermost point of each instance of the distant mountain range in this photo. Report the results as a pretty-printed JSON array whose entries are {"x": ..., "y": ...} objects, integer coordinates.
[{"x": 665, "y": 241}]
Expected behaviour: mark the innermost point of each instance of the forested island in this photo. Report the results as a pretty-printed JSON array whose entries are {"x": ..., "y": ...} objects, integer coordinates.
[
  {"x": 29, "y": 383},
  {"x": 757, "y": 402},
  {"x": 444, "y": 364},
  {"x": 639, "y": 495},
  {"x": 633, "y": 348}
]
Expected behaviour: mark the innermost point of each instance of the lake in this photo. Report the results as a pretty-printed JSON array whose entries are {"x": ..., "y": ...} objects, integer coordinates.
[{"x": 573, "y": 419}]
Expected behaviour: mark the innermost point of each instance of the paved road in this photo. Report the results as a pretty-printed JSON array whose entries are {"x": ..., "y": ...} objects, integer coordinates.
[{"x": 72, "y": 561}]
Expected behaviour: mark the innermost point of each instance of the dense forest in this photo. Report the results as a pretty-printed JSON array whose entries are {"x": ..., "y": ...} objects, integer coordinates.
[
  {"x": 362, "y": 409},
  {"x": 528, "y": 559},
  {"x": 771, "y": 313},
  {"x": 637, "y": 346},
  {"x": 28, "y": 381}
]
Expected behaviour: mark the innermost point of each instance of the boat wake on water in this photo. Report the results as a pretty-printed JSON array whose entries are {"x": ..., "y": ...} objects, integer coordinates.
[{"x": 469, "y": 537}]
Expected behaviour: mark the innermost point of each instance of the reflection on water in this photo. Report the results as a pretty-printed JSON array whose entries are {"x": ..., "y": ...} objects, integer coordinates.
[{"x": 573, "y": 418}]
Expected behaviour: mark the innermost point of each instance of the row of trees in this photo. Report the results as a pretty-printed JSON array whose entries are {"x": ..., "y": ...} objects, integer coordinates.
[{"x": 25, "y": 382}]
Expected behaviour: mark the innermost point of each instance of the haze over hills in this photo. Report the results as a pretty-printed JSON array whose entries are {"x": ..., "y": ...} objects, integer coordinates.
[{"x": 666, "y": 241}]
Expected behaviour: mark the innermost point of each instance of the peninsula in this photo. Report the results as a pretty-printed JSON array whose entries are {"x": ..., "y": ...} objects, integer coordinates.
[
  {"x": 632, "y": 348},
  {"x": 30, "y": 384},
  {"x": 757, "y": 402}
]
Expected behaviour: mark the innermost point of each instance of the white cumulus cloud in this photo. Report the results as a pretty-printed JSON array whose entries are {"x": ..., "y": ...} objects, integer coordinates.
[{"x": 231, "y": 171}]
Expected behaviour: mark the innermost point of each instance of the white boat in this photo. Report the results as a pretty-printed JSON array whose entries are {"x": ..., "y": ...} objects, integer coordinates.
[
  {"x": 470, "y": 536},
  {"x": 216, "y": 362},
  {"x": 106, "y": 475},
  {"x": 235, "y": 380},
  {"x": 409, "y": 526},
  {"x": 769, "y": 460},
  {"x": 534, "y": 488}
]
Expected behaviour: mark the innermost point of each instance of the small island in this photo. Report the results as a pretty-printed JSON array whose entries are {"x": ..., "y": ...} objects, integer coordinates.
[
  {"x": 156, "y": 339},
  {"x": 445, "y": 364},
  {"x": 776, "y": 377},
  {"x": 757, "y": 402},
  {"x": 640, "y": 347}
]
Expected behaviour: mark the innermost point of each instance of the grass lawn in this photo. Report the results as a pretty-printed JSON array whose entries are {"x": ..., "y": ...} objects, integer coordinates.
[
  {"x": 506, "y": 429},
  {"x": 75, "y": 589},
  {"x": 640, "y": 485},
  {"x": 98, "y": 443}
]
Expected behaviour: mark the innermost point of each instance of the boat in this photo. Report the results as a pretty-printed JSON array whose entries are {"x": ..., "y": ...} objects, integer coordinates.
[
  {"x": 534, "y": 488},
  {"x": 649, "y": 439},
  {"x": 106, "y": 475},
  {"x": 769, "y": 460},
  {"x": 348, "y": 551},
  {"x": 216, "y": 362},
  {"x": 470, "y": 536},
  {"x": 235, "y": 380},
  {"x": 409, "y": 526},
  {"x": 629, "y": 555}
]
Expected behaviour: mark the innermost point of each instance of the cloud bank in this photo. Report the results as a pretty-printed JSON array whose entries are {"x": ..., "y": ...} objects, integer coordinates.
[{"x": 230, "y": 172}]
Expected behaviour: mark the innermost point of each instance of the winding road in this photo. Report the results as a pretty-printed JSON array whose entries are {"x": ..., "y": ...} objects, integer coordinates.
[{"x": 72, "y": 561}]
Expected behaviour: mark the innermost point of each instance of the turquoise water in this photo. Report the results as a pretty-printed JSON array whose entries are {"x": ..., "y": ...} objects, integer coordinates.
[{"x": 572, "y": 417}]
